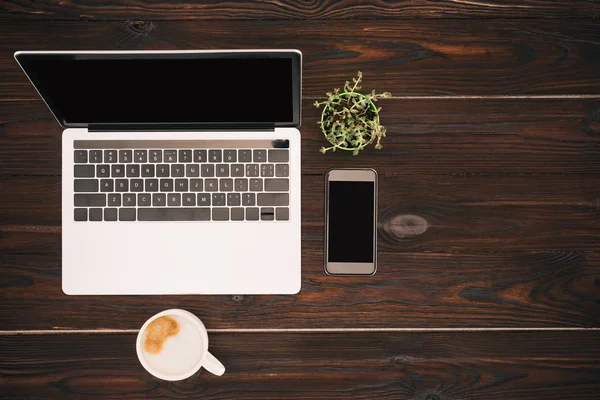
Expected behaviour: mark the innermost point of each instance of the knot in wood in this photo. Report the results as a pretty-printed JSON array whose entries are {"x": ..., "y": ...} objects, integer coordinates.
[
  {"x": 406, "y": 225},
  {"x": 238, "y": 297},
  {"x": 140, "y": 27}
]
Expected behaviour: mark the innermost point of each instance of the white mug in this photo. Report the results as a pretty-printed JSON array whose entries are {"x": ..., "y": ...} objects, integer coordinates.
[{"x": 196, "y": 354}]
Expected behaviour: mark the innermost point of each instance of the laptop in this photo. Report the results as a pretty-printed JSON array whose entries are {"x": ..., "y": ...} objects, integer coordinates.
[{"x": 180, "y": 169}]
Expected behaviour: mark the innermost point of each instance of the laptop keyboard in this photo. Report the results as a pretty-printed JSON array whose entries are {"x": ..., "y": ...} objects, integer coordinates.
[{"x": 191, "y": 180}]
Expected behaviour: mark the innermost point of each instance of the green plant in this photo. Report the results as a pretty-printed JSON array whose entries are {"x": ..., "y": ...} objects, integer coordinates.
[{"x": 350, "y": 120}]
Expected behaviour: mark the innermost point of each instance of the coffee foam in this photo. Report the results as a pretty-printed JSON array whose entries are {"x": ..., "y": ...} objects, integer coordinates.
[{"x": 172, "y": 345}]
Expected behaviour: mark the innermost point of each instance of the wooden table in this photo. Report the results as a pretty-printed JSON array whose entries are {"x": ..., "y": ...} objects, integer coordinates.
[{"x": 489, "y": 228}]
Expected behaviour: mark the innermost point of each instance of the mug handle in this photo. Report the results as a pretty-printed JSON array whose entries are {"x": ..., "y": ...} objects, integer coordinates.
[{"x": 214, "y": 366}]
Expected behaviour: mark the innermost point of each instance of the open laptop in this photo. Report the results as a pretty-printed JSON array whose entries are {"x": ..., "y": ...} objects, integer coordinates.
[{"x": 180, "y": 169}]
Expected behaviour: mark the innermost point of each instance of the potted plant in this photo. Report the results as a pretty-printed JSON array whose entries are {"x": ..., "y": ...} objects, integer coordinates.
[{"x": 350, "y": 120}]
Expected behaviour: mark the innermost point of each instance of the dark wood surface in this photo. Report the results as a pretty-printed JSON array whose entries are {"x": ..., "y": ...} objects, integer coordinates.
[
  {"x": 289, "y": 9},
  {"x": 449, "y": 366},
  {"x": 489, "y": 208}
]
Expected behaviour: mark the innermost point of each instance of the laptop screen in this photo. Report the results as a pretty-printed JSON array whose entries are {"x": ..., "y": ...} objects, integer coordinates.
[{"x": 172, "y": 88}]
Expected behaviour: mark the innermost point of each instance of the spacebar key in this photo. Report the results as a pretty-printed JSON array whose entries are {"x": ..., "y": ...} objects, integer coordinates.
[{"x": 174, "y": 214}]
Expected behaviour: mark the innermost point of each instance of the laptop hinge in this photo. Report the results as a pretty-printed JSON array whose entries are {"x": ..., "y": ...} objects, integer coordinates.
[{"x": 178, "y": 127}]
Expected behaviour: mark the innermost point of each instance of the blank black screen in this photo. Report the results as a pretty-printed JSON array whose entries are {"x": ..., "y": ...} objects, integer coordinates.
[
  {"x": 189, "y": 90},
  {"x": 351, "y": 213}
]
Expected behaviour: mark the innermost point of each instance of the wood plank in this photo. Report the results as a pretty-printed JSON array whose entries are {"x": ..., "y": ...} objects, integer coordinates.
[
  {"x": 416, "y": 213},
  {"x": 414, "y": 57},
  {"x": 287, "y": 9},
  {"x": 426, "y": 136},
  {"x": 519, "y": 365},
  {"x": 423, "y": 290}
]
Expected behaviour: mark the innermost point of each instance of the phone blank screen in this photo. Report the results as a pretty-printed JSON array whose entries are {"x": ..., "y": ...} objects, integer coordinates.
[{"x": 351, "y": 221}]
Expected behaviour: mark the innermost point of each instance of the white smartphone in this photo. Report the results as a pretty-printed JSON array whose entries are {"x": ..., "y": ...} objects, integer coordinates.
[{"x": 351, "y": 222}]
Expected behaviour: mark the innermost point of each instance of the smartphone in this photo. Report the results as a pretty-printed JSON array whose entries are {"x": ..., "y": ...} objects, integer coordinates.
[{"x": 351, "y": 222}]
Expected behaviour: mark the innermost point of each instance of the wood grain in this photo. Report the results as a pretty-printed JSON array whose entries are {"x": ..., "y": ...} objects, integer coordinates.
[
  {"x": 491, "y": 57},
  {"x": 449, "y": 366},
  {"x": 426, "y": 136},
  {"x": 287, "y": 9},
  {"x": 423, "y": 290}
]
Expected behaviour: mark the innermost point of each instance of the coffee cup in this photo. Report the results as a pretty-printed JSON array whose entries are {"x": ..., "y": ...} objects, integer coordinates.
[{"x": 173, "y": 345}]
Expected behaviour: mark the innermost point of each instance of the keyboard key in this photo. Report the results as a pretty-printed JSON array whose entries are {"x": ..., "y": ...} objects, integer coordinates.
[
  {"x": 256, "y": 185},
  {"x": 245, "y": 156},
  {"x": 207, "y": 170},
  {"x": 273, "y": 199},
  {"x": 136, "y": 185},
  {"x": 87, "y": 200},
  {"x": 248, "y": 199},
  {"x": 185, "y": 156},
  {"x": 267, "y": 214},
  {"x": 282, "y": 214},
  {"x": 226, "y": 185},
  {"x": 122, "y": 185},
  {"x": 85, "y": 185},
  {"x": 133, "y": 171},
  {"x": 252, "y": 170},
  {"x": 166, "y": 185},
  {"x": 102, "y": 171},
  {"x": 237, "y": 170},
  {"x": 140, "y": 156},
  {"x": 203, "y": 199},
  {"x": 229, "y": 156},
  {"x": 267, "y": 170},
  {"x": 127, "y": 214},
  {"x": 277, "y": 185},
  {"x": 84, "y": 171},
  {"x": 170, "y": 156},
  {"x": 148, "y": 170},
  {"x": 241, "y": 185},
  {"x": 159, "y": 199},
  {"x": 259, "y": 156},
  {"x": 195, "y": 185},
  {"x": 117, "y": 170},
  {"x": 95, "y": 156},
  {"x": 279, "y": 155},
  {"x": 174, "y": 199},
  {"x": 237, "y": 214},
  {"x": 125, "y": 156},
  {"x": 174, "y": 214},
  {"x": 107, "y": 185},
  {"x": 222, "y": 170},
  {"x": 162, "y": 171},
  {"x": 220, "y": 214},
  {"x": 155, "y": 156},
  {"x": 110, "y": 156},
  {"x": 95, "y": 214},
  {"x": 211, "y": 185},
  {"x": 114, "y": 199},
  {"x": 80, "y": 156},
  {"x": 80, "y": 214},
  {"x": 252, "y": 214},
  {"x": 215, "y": 156},
  {"x": 177, "y": 170},
  {"x": 218, "y": 199},
  {"x": 151, "y": 185},
  {"x": 233, "y": 199},
  {"x": 129, "y": 200},
  {"x": 181, "y": 185},
  {"x": 282, "y": 170},
  {"x": 110, "y": 214},
  {"x": 188, "y": 199},
  {"x": 144, "y": 199},
  {"x": 200, "y": 156},
  {"x": 192, "y": 170}
]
